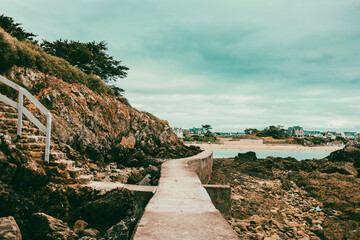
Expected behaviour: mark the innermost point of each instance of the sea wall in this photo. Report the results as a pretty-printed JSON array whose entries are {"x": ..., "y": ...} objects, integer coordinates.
[
  {"x": 202, "y": 164},
  {"x": 221, "y": 197}
]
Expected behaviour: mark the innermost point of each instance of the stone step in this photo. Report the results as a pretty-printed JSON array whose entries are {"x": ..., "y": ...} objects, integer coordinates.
[
  {"x": 37, "y": 155},
  {"x": 6, "y": 108},
  {"x": 9, "y": 121},
  {"x": 24, "y": 130},
  {"x": 76, "y": 172},
  {"x": 8, "y": 115},
  {"x": 34, "y": 147},
  {"x": 66, "y": 164},
  {"x": 57, "y": 155},
  {"x": 84, "y": 179},
  {"x": 32, "y": 139}
]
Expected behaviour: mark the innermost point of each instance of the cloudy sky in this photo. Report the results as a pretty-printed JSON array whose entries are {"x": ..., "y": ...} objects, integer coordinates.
[{"x": 231, "y": 64}]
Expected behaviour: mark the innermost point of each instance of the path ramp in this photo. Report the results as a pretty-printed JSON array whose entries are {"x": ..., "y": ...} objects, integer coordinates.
[{"x": 181, "y": 208}]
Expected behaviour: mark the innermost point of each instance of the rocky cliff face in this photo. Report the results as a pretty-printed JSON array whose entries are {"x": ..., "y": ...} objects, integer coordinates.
[
  {"x": 94, "y": 136},
  {"x": 98, "y": 126}
]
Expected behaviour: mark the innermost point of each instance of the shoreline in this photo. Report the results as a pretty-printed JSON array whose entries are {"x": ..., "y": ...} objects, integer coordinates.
[{"x": 258, "y": 145}]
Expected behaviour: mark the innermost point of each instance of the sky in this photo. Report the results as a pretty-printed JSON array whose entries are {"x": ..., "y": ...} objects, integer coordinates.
[{"x": 231, "y": 64}]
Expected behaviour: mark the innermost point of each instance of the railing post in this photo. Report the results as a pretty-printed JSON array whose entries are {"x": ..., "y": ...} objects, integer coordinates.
[
  {"x": 48, "y": 136},
  {"x": 20, "y": 111}
]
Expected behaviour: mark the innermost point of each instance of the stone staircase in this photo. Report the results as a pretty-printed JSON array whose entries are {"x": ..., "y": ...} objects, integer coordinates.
[{"x": 32, "y": 144}]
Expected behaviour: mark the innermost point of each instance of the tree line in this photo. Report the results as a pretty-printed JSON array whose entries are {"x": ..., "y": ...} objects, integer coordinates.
[{"x": 277, "y": 132}]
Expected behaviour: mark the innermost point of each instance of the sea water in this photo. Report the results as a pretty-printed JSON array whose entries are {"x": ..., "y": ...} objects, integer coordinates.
[{"x": 297, "y": 154}]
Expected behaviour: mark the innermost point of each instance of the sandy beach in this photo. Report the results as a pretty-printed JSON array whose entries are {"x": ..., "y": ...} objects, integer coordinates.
[{"x": 259, "y": 145}]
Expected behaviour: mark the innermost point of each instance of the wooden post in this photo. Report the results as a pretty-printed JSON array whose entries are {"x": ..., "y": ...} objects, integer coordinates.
[
  {"x": 20, "y": 111},
  {"x": 48, "y": 136}
]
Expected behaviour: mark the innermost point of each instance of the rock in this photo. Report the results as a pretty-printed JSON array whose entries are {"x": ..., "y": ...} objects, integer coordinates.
[
  {"x": 74, "y": 173},
  {"x": 128, "y": 142},
  {"x": 242, "y": 225},
  {"x": 9, "y": 230},
  {"x": 91, "y": 232},
  {"x": 93, "y": 167},
  {"x": 33, "y": 174},
  {"x": 259, "y": 236},
  {"x": 152, "y": 170},
  {"x": 79, "y": 226},
  {"x": 134, "y": 177},
  {"x": 146, "y": 180},
  {"x": 122, "y": 230},
  {"x": 273, "y": 237},
  {"x": 87, "y": 238},
  {"x": 50, "y": 228},
  {"x": 86, "y": 178},
  {"x": 113, "y": 165},
  {"x": 255, "y": 219},
  {"x": 248, "y": 156},
  {"x": 108, "y": 209}
]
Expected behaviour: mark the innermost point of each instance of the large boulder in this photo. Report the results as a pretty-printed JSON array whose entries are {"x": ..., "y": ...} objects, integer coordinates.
[
  {"x": 248, "y": 156},
  {"x": 109, "y": 208},
  {"x": 79, "y": 226},
  {"x": 43, "y": 226},
  {"x": 9, "y": 229}
]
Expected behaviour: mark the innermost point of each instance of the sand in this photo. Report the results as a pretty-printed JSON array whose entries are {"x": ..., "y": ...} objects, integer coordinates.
[{"x": 259, "y": 145}]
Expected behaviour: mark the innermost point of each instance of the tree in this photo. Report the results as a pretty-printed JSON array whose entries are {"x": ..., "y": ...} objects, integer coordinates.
[
  {"x": 90, "y": 57},
  {"x": 117, "y": 91},
  {"x": 276, "y": 132},
  {"x": 207, "y": 128},
  {"x": 15, "y": 29},
  {"x": 250, "y": 131}
]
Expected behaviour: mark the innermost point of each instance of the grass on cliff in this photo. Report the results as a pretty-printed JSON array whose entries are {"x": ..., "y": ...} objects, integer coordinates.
[{"x": 25, "y": 54}]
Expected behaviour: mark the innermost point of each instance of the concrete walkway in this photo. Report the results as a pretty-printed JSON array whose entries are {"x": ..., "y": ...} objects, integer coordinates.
[{"x": 181, "y": 208}]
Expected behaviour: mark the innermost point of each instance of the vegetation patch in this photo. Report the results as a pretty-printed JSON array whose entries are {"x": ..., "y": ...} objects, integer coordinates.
[
  {"x": 26, "y": 54},
  {"x": 200, "y": 138}
]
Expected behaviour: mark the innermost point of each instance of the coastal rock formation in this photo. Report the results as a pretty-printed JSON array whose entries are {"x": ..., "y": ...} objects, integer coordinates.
[
  {"x": 9, "y": 230},
  {"x": 97, "y": 126},
  {"x": 282, "y": 198},
  {"x": 46, "y": 227}
]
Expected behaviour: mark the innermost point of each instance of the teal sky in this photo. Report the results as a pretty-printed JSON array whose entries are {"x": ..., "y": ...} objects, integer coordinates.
[{"x": 230, "y": 64}]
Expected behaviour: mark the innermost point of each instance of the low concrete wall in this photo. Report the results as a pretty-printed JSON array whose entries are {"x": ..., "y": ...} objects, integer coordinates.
[
  {"x": 202, "y": 165},
  {"x": 221, "y": 198}
]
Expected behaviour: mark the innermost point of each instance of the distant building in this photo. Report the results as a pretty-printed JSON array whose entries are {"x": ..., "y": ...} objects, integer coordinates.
[
  {"x": 186, "y": 133},
  {"x": 350, "y": 135},
  {"x": 330, "y": 134},
  {"x": 296, "y": 131},
  {"x": 312, "y": 133},
  {"x": 198, "y": 131},
  {"x": 178, "y": 131},
  {"x": 193, "y": 131},
  {"x": 233, "y": 134}
]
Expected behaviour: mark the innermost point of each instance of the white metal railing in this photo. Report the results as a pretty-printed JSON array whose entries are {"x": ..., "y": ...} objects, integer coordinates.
[{"x": 22, "y": 110}]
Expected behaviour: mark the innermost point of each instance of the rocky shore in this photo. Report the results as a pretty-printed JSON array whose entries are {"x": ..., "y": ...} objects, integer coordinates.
[{"x": 282, "y": 198}]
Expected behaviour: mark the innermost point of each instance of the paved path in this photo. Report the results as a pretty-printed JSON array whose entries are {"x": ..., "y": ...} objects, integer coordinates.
[
  {"x": 181, "y": 207},
  {"x": 112, "y": 185}
]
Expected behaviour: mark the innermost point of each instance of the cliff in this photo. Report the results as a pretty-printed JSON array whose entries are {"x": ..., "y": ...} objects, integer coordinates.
[
  {"x": 89, "y": 122},
  {"x": 95, "y": 136}
]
